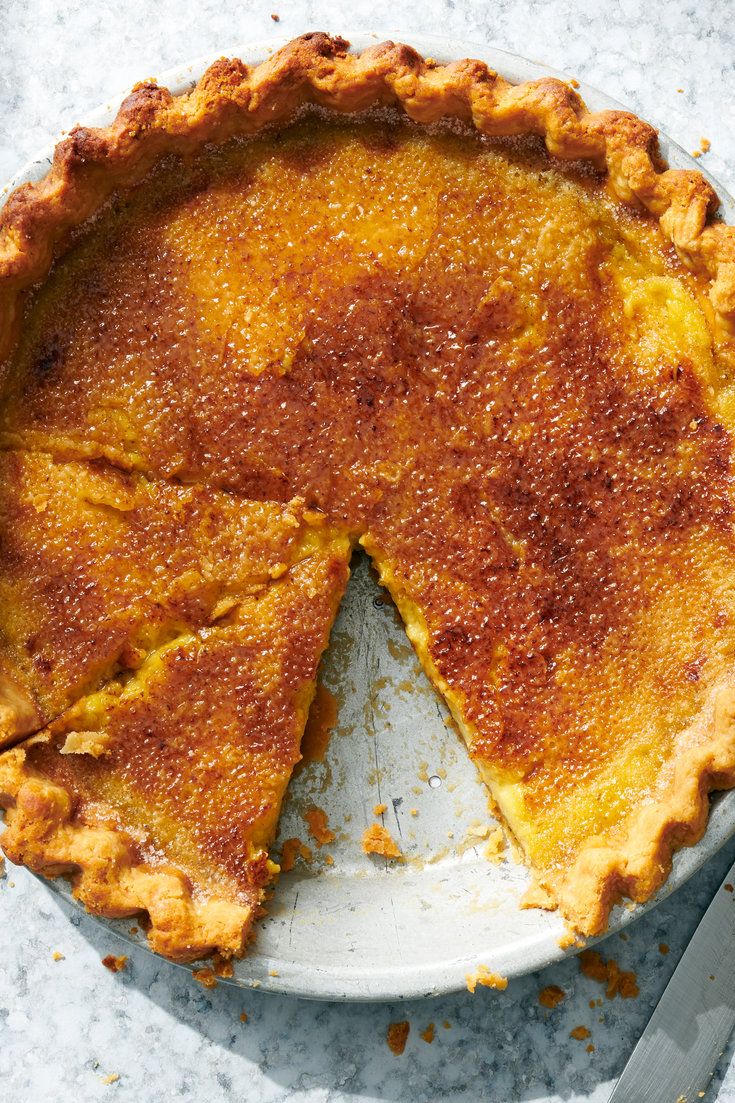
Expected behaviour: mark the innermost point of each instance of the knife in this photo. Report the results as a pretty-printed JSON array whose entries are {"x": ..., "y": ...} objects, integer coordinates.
[{"x": 678, "y": 1051}]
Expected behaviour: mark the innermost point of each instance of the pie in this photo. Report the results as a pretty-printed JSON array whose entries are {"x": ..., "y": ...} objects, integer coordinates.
[{"x": 342, "y": 300}]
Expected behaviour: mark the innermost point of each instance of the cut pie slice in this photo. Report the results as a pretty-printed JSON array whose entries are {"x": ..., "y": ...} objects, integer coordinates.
[
  {"x": 97, "y": 567},
  {"x": 160, "y": 792}
]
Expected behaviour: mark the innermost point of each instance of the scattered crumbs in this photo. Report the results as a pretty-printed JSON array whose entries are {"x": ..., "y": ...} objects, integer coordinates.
[
  {"x": 428, "y": 1034},
  {"x": 290, "y": 851},
  {"x": 486, "y": 978},
  {"x": 551, "y": 996},
  {"x": 413, "y": 811},
  {"x": 255, "y": 984},
  {"x": 663, "y": 948},
  {"x": 566, "y": 940},
  {"x": 441, "y": 772},
  {"x": 223, "y": 966},
  {"x": 318, "y": 824},
  {"x": 580, "y": 1033},
  {"x": 447, "y": 1025},
  {"x": 728, "y": 887},
  {"x": 593, "y": 1003},
  {"x": 11, "y": 884},
  {"x": 379, "y": 809},
  {"x": 574, "y": 82},
  {"x": 696, "y": 153},
  {"x": 275, "y": 18},
  {"x": 206, "y": 977},
  {"x": 111, "y": 1078},
  {"x": 115, "y": 964},
  {"x": 624, "y": 937},
  {"x": 273, "y": 973},
  {"x": 590, "y": 1048},
  {"x": 416, "y": 790},
  {"x": 57, "y": 955},
  {"x": 133, "y": 930},
  {"x": 450, "y": 834},
  {"x": 423, "y": 774},
  {"x": 617, "y": 981},
  {"x": 397, "y": 1036},
  {"x": 679, "y": 89},
  {"x": 243, "y": 1016},
  {"x": 704, "y": 147},
  {"x": 712, "y": 976},
  {"x": 377, "y": 840},
  {"x": 329, "y": 860},
  {"x": 495, "y": 845}
]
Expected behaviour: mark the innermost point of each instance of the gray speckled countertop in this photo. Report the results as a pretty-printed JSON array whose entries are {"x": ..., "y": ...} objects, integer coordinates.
[{"x": 68, "y": 1025}]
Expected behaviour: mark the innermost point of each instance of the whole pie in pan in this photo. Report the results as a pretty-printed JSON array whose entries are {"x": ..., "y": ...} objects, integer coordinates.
[{"x": 338, "y": 300}]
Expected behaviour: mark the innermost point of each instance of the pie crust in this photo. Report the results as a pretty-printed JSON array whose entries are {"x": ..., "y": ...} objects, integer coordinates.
[{"x": 232, "y": 100}]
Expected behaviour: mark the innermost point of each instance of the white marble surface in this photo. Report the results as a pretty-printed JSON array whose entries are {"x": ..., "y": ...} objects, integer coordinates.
[{"x": 66, "y": 1025}]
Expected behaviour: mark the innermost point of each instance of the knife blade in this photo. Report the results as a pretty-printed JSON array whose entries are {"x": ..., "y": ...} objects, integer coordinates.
[{"x": 678, "y": 1051}]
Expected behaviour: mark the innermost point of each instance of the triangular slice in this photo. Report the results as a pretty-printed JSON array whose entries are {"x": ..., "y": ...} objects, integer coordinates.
[
  {"x": 98, "y": 566},
  {"x": 160, "y": 793}
]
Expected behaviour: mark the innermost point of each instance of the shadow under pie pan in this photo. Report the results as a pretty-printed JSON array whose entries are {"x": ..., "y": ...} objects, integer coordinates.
[{"x": 359, "y": 928}]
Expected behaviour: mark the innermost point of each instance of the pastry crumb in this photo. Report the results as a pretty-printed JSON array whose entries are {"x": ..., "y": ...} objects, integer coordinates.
[
  {"x": 223, "y": 966},
  {"x": 428, "y": 1034},
  {"x": 318, "y": 825},
  {"x": 574, "y": 82},
  {"x": 328, "y": 860},
  {"x": 111, "y": 1078},
  {"x": 379, "y": 809},
  {"x": 273, "y": 973},
  {"x": 93, "y": 743},
  {"x": 728, "y": 887},
  {"x": 413, "y": 811},
  {"x": 447, "y": 1025},
  {"x": 590, "y": 1048},
  {"x": 397, "y": 1036},
  {"x": 495, "y": 846},
  {"x": 617, "y": 981},
  {"x": 580, "y": 1033},
  {"x": 58, "y": 956},
  {"x": 243, "y": 1016},
  {"x": 551, "y": 996},
  {"x": 663, "y": 948},
  {"x": 569, "y": 938},
  {"x": 377, "y": 840},
  {"x": 115, "y": 964},
  {"x": 290, "y": 851},
  {"x": 206, "y": 977},
  {"x": 485, "y": 977},
  {"x": 276, "y": 18}
]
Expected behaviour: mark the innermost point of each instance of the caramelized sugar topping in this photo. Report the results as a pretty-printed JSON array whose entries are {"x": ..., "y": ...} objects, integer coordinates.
[
  {"x": 468, "y": 354},
  {"x": 202, "y": 739}
]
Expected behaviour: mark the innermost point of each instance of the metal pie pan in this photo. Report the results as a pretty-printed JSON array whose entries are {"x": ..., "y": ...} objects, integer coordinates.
[{"x": 361, "y": 928}]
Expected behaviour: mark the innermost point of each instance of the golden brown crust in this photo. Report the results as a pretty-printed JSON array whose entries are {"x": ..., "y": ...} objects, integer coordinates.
[
  {"x": 232, "y": 99},
  {"x": 106, "y": 874},
  {"x": 636, "y": 866}
]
